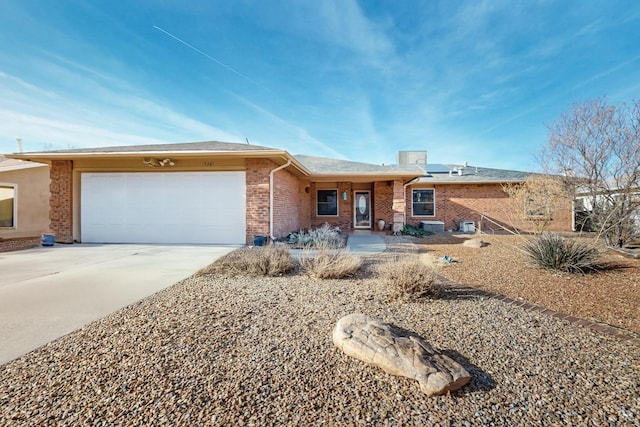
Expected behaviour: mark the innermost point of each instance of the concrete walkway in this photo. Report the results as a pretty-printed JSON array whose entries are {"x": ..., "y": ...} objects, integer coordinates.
[
  {"x": 366, "y": 243},
  {"x": 46, "y": 293}
]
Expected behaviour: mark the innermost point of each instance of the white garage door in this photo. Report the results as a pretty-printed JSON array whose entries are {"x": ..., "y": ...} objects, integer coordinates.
[{"x": 171, "y": 207}]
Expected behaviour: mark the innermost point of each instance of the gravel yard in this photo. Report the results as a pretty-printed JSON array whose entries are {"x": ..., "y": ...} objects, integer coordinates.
[
  {"x": 611, "y": 296},
  {"x": 258, "y": 351}
]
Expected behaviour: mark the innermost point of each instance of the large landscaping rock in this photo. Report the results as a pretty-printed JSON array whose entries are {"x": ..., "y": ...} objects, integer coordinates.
[
  {"x": 473, "y": 243},
  {"x": 399, "y": 352}
]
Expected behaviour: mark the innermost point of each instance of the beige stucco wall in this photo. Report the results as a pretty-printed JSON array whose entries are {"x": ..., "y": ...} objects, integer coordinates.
[{"x": 32, "y": 194}]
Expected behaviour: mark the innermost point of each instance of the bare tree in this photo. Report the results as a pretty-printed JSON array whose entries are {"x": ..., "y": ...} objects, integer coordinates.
[
  {"x": 537, "y": 200},
  {"x": 596, "y": 146}
]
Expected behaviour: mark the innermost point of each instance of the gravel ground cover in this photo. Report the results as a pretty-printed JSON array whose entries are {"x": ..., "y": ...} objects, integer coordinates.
[
  {"x": 611, "y": 296},
  {"x": 258, "y": 351}
]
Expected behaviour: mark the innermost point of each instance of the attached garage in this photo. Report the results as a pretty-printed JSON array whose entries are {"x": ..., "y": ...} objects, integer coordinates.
[{"x": 163, "y": 207}]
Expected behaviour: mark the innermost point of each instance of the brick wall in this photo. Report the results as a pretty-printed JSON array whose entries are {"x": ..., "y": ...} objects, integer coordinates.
[
  {"x": 399, "y": 205},
  {"x": 19, "y": 243},
  {"x": 291, "y": 203},
  {"x": 344, "y": 220},
  {"x": 257, "y": 214},
  {"x": 455, "y": 203},
  {"x": 382, "y": 202},
  {"x": 61, "y": 201}
]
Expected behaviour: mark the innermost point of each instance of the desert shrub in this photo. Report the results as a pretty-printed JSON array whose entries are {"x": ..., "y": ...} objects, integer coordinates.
[
  {"x": 409, "y": 278},
  {"x": 327, "y": 262},
  {"x": 410, "y": 230},
  {"x": 270, "y": 260},
  {"x": 323, "y": 236},
  {"x": 553, "y": 252}
]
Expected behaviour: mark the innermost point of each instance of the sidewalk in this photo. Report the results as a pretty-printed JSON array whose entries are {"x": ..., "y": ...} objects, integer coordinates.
[{"x": 366, "y": 243}]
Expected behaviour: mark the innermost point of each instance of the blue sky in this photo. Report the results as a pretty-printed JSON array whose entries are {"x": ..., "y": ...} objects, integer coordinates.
[{"x": 476, "y": 81}]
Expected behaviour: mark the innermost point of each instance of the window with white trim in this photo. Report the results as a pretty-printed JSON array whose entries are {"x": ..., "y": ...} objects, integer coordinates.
[
  {"x": 7, "y": 206},
  {"x": 423, "y": 202},
  {"x": 327, "y": 202}
]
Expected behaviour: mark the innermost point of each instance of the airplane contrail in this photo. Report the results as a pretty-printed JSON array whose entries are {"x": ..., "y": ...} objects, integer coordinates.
[{"x": 210, "y": 58}]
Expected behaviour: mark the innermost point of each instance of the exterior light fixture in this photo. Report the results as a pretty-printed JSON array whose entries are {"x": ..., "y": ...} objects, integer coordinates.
[{"x": 151, "y": 162}]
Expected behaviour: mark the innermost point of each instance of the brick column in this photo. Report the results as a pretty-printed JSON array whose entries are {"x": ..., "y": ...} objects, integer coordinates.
[
  {"x": 398, "y": 207},
  {"x": 61, "y": 201},
  {"x": 258, "y": 197},
  {"x": 383, "y": 202}
]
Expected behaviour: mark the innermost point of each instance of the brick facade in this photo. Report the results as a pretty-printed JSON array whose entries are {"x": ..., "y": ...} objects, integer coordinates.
[
  {"x": 295, "y": 203},
  {"x": 472, "y": 202},
  {"x": 19, "y": 244},
  {"x": 291, "y": 203},
  {"x": 383, "y": 202},
  {"x": 344, "y": 220},
  {"x": 61, "y": 201},
  {"x": 257, "y": 211},
  {"x": 399, "y": 205}
]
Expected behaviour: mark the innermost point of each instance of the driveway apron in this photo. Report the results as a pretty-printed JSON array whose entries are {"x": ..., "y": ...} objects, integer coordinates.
[{"x": 48, "y": 292}]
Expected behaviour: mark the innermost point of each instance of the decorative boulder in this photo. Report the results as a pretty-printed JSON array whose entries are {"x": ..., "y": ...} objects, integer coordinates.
[
  {"x": 473, "y": 243},
  {"x": 399, "y": 352}
]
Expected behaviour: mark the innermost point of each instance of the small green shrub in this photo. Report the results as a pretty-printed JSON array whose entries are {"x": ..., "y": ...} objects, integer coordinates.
[
  {"x": 410, "y": 230},
  {"x": 323, "y": 236},
  {"x": 409, "y": 278},
  {"x": 327, "y": 262},
  {"x": 270, "y": 260},
  {"x": 553, "y": 252}
]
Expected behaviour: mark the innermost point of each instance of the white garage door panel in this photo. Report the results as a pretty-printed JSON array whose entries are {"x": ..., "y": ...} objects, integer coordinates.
[{"x": 171, "y": 207}]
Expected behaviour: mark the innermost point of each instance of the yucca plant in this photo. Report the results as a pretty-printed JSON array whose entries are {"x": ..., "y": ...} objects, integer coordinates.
[{"x": 553, "y": 252}]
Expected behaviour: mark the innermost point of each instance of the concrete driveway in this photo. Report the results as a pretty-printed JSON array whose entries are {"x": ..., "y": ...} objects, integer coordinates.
[{"x": 47, "y": 292}]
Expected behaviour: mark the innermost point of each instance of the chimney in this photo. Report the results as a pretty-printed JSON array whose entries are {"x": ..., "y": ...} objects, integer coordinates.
[
  {"x": 406, "y": 158},
  {"x": 460, "y": 171},
  {"x": 19, "y": 145}
]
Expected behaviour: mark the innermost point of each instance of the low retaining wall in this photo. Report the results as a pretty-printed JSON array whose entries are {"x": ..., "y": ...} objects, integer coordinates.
[{"x": 19, "y": 244}]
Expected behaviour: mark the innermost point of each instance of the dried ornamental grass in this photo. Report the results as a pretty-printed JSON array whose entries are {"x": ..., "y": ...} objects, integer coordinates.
[
  {"x": 270, "y": 260},
  {"x": 329, "y": 263},
  {"x": 321, "y": 237},
  {"x": 409, "y": 278}
]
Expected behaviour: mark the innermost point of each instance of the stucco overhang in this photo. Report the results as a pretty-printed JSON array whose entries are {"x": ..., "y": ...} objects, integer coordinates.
[
  {"x": 173, "y": 151},
  {"x": 7, "y": 165}
]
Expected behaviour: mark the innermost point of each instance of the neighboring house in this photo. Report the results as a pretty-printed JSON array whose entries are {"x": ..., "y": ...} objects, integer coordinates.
[
  {"x": 24, "y": 202},
  {"x": 584, "y": 206},
  {"x": 226, "y": 193}
]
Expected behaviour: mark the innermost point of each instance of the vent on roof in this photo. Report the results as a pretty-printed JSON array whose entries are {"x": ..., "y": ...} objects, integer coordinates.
[{"x": 406, "y": 158}]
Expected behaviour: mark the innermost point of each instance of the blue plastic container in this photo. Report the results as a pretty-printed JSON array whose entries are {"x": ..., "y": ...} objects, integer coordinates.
[
  {"x": 259, "y": 240},
  {"x": 48, "y": 239}
]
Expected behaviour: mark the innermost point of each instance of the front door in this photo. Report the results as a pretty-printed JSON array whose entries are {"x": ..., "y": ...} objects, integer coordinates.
[{"x": 361, "y": 209}]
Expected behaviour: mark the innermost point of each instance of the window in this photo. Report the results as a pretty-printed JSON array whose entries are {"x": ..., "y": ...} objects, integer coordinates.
[
  {"x": 537, "y": 208},
  {"x": 327, "y": 202},
  {"x": 7, "y": 205},
  {"x": 424, "y": 203}
]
